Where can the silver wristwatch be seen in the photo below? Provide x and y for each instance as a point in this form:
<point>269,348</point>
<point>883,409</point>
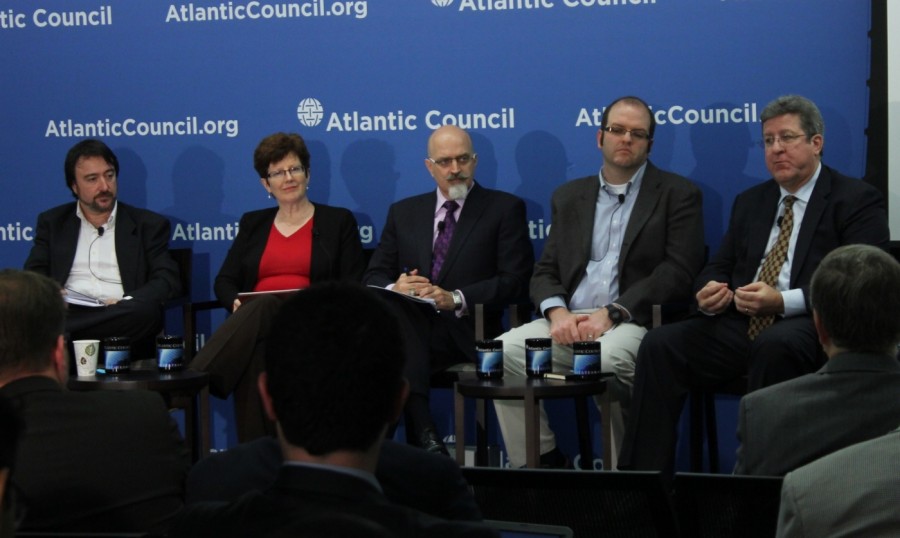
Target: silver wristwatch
<point>457,299</point>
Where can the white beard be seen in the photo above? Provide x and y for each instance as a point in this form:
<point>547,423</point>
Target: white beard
<point>458,191</point>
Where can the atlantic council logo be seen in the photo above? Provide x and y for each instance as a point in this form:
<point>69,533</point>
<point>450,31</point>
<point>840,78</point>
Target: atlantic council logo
<point>310,112</point>
<point>442,3</point>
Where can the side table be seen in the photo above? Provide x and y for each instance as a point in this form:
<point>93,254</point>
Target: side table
<point>532,391</point>
<point>183,389</point>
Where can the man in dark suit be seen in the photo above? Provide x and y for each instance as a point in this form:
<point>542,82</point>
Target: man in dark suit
<point>753,295</point>
<point>10,429</point>
<point>459,246</point>
<point>333,383</point>
<point>409,476</point>
<point>106,250</point>
<point>87,461</point>
<point>852,492</point>
<point>855,296</point>
<point>622,240</point>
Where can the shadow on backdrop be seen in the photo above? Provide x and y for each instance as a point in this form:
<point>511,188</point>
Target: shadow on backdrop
<point>543,165</point>
<point>198,179</point>
<point>838,151</point>
<point>132,177</point>
<point>319,171</point>
<point>487,170</point>
<point>369,169</point>
<point>721,152</point>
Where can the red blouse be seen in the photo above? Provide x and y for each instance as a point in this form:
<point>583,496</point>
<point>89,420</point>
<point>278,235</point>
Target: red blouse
<point>285,262</point>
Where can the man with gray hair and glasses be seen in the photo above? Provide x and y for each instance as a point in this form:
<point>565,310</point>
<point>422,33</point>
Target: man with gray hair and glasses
<point>754,316</point>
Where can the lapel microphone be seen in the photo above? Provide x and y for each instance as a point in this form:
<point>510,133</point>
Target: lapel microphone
<point>621,198</point>
<point>778,222</point>
<point>441,225</point>
<point>100,231</point>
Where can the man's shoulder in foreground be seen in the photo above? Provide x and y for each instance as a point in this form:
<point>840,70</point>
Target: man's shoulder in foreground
<point>304,497</point>
<point>824,498</point>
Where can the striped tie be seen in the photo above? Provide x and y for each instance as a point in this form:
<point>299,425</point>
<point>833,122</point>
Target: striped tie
<point>773,264</point>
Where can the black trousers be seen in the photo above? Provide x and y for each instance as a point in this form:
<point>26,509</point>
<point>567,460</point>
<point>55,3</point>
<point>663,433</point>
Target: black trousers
<point>138,320</point>
<point>432,340</point>
<point>701,353</point>
<point>234,356</point>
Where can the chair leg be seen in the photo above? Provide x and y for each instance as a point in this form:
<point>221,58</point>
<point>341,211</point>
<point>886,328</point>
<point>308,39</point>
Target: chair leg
<point>584,433</point>
<point>712,436</point>
<point>696,431</point>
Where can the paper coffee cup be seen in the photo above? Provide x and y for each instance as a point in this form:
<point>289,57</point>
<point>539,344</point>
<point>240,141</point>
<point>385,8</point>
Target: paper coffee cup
<point>86,353</point>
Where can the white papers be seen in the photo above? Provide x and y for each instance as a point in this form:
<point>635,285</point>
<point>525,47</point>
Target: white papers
<point>74,297</point>
<point>415,298</point>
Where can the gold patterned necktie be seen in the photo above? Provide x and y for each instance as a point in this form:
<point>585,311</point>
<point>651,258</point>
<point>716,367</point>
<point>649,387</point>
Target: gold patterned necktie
<point>773,264</point>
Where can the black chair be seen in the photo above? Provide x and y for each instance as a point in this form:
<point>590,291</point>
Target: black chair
<point>145,349</point>
<point>702,403</point>
<point>725,506</point>
<point>702,408</point>
<point>604,503</point>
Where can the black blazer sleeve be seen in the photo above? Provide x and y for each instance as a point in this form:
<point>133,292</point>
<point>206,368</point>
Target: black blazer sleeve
<point>142,248</point>
<point>841,211</point>
<point>336,251</point>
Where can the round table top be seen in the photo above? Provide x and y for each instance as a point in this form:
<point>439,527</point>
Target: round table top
<point>154,380</point>
<point>515,387</point>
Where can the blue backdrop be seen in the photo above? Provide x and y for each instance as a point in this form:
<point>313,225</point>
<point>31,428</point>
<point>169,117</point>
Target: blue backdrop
<point>184,91</point>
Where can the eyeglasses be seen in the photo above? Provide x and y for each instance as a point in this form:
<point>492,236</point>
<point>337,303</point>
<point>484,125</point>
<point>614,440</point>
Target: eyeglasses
<point>637,134</point>
<point>461,160</point>
<point>785,139</point>
<point>294,171</point>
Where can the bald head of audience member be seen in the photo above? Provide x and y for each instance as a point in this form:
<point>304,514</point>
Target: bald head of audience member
<point>855,295</point>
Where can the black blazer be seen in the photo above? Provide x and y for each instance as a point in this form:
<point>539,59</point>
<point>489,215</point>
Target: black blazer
<point>142,249</point>
<point>306,496</point>
<point>490,258</point>
<point>336,251</point>
<point>96,461</point>
<point>841,211</point>
<point>410,476</point>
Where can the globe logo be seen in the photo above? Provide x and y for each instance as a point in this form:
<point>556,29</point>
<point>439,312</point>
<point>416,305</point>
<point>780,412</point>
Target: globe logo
<point>310,112</point>
<point>442,3</point>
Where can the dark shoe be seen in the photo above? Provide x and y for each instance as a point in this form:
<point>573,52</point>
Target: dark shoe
<point>555,459</point>
<point>432,442</point>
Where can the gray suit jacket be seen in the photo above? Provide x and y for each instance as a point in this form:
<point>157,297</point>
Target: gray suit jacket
<point>852,492</point>
<point>661,254</point>
<point>853,398</point>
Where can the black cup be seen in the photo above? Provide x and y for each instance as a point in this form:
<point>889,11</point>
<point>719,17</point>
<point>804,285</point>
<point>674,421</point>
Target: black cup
<point>490,359</point>
<point>586,359</point>
<point>170,352</point>
<point>538,356</point>
<point>116,354</point>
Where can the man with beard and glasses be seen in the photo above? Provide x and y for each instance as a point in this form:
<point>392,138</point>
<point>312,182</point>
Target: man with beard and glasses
<point>102,249</point>
<point>459,245</point>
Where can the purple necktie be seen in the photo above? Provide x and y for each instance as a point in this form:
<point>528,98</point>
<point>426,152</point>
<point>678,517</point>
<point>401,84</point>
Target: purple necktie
<point>445,234</point>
